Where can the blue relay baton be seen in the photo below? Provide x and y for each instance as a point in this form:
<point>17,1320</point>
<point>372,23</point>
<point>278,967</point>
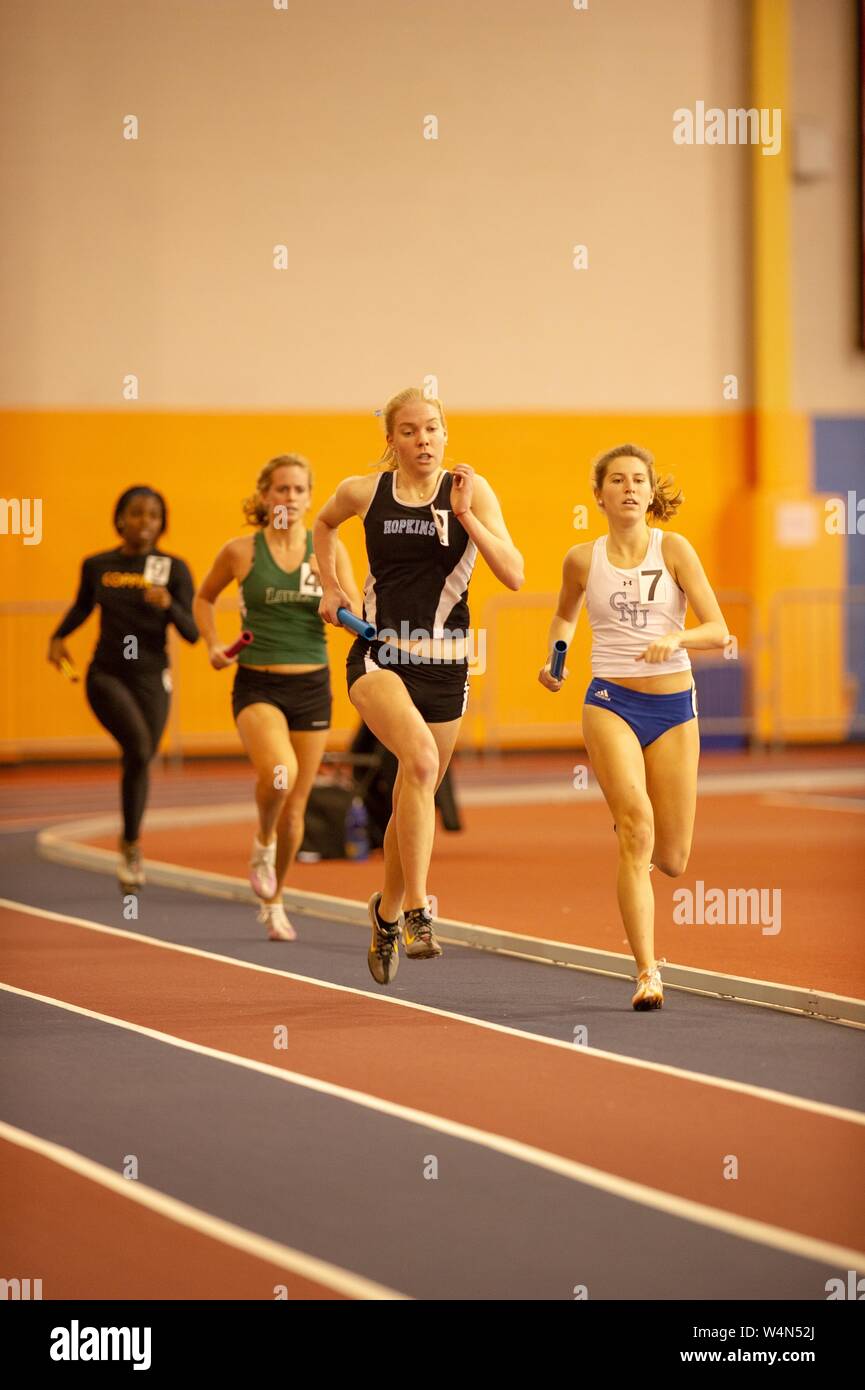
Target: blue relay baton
<point>557,660</point>
<point>347,618</point>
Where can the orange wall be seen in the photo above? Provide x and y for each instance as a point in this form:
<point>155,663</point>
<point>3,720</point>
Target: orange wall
<point>206,463</point>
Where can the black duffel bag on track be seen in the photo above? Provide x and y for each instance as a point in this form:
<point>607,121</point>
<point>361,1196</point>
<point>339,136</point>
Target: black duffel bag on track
<point>324,824</point>
<point>373,773</point>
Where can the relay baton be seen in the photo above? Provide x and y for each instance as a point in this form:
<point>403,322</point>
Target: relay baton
<point>347,618</point>
<point>557,660</point>
<point>68,669</point>
<point>243,641</point>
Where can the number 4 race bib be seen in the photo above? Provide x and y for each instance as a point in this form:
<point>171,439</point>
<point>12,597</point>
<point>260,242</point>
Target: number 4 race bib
<point>309,580</point>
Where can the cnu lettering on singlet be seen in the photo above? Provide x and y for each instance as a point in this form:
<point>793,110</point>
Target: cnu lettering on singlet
<point>420,562</point>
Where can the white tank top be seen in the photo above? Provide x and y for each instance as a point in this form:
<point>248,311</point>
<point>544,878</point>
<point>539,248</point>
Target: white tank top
<point>628,609</point>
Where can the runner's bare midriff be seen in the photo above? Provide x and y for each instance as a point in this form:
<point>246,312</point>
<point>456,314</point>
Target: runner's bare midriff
<point>433,648</point>
<point>668,684</point>
<point>283,670</point>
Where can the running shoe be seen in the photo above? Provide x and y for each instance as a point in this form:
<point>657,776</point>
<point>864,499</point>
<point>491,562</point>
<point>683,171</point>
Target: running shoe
<point>272,915</point>
<point>650,988</point>
<point>262,869</point>
<point>418,934</point>
<point>130,870</point>
<point>383,954</point>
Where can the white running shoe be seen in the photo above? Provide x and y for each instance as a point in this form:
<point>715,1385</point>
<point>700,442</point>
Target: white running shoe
<point>130,870</point>
<point>650,988</point>
<point>272,915</point>
<point>262,869</point>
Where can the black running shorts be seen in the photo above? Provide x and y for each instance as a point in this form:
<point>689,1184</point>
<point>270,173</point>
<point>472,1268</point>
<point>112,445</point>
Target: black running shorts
<point>304,698</point>
<point>439,690</point>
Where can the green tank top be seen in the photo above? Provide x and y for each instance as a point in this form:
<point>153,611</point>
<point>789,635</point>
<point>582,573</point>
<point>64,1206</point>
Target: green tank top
<point>281,611</point>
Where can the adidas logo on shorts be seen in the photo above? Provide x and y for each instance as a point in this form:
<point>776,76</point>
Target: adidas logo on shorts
<point>602,694</point>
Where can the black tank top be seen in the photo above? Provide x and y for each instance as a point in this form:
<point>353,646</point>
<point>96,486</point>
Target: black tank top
<point>420,564</point>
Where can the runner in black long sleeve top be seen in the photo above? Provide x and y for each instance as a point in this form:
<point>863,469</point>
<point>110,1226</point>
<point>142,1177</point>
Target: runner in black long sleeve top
<point>117,582</point>
<point>140,590</point>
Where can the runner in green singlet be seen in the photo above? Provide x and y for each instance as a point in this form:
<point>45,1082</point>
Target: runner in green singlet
<point>281,697</point>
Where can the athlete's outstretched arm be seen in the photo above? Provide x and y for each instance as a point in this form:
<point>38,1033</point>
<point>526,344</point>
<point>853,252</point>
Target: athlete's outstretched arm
<point>345,578</point>
<point>181,589</point>
<point>684,564</point>
<point>218,578</point>
<point>477,509</point>
<point>350,499</point>
<point>78,613</point>
<point>564,623</point>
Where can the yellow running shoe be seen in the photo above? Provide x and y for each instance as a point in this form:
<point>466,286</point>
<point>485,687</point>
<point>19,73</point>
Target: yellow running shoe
<point>420,939</point>
<point>650,988</point>
<point>383,954</point>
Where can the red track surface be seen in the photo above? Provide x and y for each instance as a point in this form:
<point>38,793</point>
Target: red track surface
<point>537,870</point>
<point>565,1100</point>
<point>549,871</point>
<point>88,1242</point>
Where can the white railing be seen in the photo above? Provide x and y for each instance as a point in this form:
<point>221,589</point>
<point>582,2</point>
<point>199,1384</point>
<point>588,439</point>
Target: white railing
<point>817,642</point>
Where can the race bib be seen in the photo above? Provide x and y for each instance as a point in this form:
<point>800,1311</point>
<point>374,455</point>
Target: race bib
<point>653,586</point>
<point>309,580</point>
<point>157,569</point>
<point>440,517</point>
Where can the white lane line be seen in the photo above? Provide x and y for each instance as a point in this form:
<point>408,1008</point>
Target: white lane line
<point>817,803</point>
<point>807,1002</point>
<point>759,1232</point>
<point>814,1107</point>
<point>283,1256</point>
<point>527,793</point>
<point>15,827</point>
<point>708,784</point>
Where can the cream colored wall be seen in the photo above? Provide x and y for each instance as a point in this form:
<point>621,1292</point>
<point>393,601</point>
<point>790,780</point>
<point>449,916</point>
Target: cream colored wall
<point>406,256</point>
<point>828,364</point>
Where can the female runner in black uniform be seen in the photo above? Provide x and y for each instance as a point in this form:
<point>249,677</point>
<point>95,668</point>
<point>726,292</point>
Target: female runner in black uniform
<point>424,526</point>
<point>140,590</point>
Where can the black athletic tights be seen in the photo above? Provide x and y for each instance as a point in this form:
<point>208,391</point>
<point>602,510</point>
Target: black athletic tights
<point>133,710</point>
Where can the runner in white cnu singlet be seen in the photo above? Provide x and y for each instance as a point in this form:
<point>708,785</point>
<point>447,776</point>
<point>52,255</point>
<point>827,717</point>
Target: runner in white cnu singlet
<point>639,718</point>
<point>423,525</point>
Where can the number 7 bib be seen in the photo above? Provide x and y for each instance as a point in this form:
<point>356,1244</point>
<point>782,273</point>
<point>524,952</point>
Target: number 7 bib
<point>653,586</point>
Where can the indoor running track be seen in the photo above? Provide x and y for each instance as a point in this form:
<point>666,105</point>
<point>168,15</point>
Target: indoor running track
<point>299,1131</point>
